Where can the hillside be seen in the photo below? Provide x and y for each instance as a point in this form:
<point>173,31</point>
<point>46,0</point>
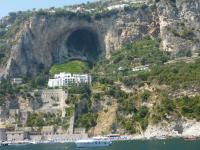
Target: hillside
<point>35,40</point>
<point>143,58</point>
<point>166,93</point>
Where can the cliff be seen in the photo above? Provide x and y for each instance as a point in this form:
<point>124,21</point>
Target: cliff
<point>140,86</point>
<point>45,37</point>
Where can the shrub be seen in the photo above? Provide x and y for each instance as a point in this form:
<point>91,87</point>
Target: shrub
<point>87,120</point>
<point>145,95</point>
<point>184,53</point>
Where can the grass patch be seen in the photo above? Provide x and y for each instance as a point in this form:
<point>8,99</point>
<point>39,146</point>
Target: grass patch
<point>74,66</point>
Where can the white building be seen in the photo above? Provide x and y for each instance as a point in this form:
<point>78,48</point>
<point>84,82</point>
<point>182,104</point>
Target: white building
<point>118,7</point>
<point>64,79</point>
<point>17,80</point>
<point>16,136</point>
<point>140,68</point>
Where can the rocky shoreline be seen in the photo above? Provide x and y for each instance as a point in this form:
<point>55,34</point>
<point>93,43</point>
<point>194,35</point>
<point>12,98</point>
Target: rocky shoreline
<point>187,129</point>
<point>183,129</point>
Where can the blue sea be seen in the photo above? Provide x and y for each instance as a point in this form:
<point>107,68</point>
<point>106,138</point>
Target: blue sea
<point>173,144</point>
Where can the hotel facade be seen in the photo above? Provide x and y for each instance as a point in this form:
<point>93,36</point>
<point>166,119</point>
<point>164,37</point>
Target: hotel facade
<point>65,79</point>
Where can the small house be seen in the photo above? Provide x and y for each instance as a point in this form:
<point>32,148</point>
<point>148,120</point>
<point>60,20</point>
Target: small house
<point>16,135</point>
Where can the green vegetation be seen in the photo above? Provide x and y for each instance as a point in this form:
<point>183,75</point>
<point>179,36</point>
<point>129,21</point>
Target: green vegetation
<point>106,73</point>
<point>69,111</point>
<point>184,33</point>
<point>184,53</point>
<point>14,21</point>
<point>6,90</point>
<point>146,49</point>
<point>185,106</point>
<point>94,10</point>
<point>12,91</point>
<point>78,92</point>
<point>138,116</point>
<point>189,107</point>
<point>145,95</point>
<point>4,52</point>
<point>163,110</point>
<point>10,27</point>
<point>80,96</point>
<point>87,120</point>
<point>138,120</point>
<point>176,75</point>
<point>35,120</point>
<point>141,52</point>
<point>132,115</point>
<point>38,81</point>
<point>81,89</point>
<point>75,66</point>
<point>41,119</point>
<point>104,13</point>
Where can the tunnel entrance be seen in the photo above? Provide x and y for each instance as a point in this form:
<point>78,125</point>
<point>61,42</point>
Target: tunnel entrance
<point>84,43</point>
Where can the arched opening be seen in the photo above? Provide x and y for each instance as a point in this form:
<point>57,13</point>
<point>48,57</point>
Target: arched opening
<point>84,43</point>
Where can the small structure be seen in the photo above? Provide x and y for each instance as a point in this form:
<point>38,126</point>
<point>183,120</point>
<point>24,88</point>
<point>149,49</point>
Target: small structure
<point>48,130</point>
<point>13,115</point>
<point>120,69</point>
<point>79,130</point>
<point>2,133</point>
<point>80,10</point>
<point>26,129</point>
<point>140,68</point>
<point>118,7</point>
<point>65,79</point>
<point>16,135</point>
<point>13,112</point>
<point>23,116</point>
<point>53,100</point>
<point>35,136</point>
<point>16,80</point>
<point>23,104</point>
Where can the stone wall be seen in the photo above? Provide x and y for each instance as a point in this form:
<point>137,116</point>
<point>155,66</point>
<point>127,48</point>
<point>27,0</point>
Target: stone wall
<point>53,101</point>
<point>2,134</point>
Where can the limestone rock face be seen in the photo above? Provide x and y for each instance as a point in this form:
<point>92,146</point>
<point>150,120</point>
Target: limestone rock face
<point>45,40</point>
<point>179,25</point>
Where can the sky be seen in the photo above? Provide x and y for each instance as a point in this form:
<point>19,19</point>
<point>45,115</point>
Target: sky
<point>7,6</point>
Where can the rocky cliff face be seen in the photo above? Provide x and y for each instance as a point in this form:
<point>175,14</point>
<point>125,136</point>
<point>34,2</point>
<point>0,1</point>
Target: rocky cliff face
<point>179,25</point>
<point>46,39</point>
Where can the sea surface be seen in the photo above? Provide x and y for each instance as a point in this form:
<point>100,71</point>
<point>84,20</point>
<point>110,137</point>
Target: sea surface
<point>175,144</point>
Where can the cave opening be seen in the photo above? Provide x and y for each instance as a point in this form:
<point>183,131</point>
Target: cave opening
<point>84,43</point>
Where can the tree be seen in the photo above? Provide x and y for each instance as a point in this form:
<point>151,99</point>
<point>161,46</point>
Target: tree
<point>145,96</point>
<point>143,111</point>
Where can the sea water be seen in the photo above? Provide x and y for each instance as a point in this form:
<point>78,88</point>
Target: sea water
<point>173,144</point>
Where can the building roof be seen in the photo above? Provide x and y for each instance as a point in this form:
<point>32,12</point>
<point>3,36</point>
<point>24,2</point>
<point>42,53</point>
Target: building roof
<point>2,126</point>
<point>47,128</point>
<point>14,132</point>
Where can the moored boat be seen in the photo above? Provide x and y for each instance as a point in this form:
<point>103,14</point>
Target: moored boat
<point>3,144</point>
<point>191,138</point>
<point>93,143</point>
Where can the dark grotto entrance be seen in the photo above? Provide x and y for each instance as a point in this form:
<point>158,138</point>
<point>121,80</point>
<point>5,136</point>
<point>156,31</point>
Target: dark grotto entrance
<point>84,43</point>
